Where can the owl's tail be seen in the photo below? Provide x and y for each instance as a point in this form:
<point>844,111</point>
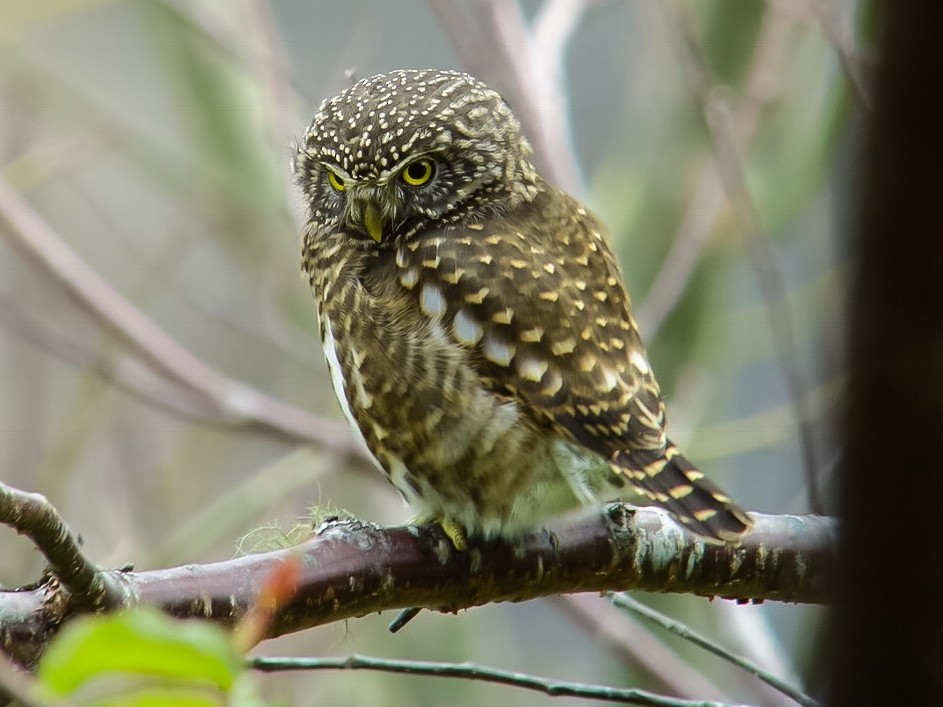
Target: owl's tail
<point>674,483</point>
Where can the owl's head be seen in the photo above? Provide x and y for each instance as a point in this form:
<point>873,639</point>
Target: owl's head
<point>410,149</point>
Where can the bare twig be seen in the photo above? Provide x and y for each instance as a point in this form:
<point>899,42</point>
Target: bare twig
<point>759,247</point>
<point>527,63</point>
<point>472,671</point>
<point>679,629</point>
<point>127,373</point>
<point>351,569</point>
<point>234,402</point>
<point>844,45</point>
<point>271,65</point>
<point>636,645</point>
<point>88,587</point>
<point>753,635</point>
<point>707,203</point>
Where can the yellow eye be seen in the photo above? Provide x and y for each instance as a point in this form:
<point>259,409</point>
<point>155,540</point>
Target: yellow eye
<point>336,182</point>
<point>418,173</point>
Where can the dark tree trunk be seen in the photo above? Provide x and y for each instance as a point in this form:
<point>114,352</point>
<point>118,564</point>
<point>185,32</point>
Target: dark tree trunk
<point>888,637</point>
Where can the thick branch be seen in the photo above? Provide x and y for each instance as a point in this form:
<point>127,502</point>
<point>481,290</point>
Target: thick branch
<point>352,569</point>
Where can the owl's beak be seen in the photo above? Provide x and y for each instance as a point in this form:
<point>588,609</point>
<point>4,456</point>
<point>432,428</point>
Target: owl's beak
<point>373,222</point>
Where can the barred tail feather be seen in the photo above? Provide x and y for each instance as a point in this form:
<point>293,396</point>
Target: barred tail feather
<point>674,483</point>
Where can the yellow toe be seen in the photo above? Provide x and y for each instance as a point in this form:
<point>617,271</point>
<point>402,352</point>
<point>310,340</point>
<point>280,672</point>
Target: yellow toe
<point>453,530</point>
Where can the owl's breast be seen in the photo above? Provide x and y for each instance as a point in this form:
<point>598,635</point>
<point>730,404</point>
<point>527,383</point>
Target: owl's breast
<point>453,448</point>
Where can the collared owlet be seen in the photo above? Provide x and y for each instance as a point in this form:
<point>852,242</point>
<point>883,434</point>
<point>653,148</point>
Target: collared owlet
<point>474,318</point>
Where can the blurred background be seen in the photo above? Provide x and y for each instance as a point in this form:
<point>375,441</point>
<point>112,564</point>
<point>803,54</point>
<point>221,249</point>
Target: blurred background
<point>160,371</point>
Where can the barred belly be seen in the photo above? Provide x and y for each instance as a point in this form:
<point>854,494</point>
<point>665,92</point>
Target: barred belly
<point>454,450</point>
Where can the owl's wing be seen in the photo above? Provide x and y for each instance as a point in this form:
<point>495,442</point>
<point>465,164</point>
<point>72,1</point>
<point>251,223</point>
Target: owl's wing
<point>538,299</point>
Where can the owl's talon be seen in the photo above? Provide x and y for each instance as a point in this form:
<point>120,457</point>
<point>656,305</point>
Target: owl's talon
<point>452,530</point>
<point>455,533</point>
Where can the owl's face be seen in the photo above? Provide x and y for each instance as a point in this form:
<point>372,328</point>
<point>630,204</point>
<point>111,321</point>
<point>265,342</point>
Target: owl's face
<point>411,149</point>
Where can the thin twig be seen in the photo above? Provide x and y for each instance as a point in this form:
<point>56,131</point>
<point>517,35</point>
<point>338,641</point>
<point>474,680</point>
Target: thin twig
<point>679,629</point>
<point>473,671</point>
<point>759,247</point>
<point>636,645</point>
<point>844,45</point>
<point>496,42</point>
<point>707,203</point>
<point>235,402</point>
<point>126,373</point>
<point>32,515</point>
<point>754,637</point>
<point>271,68</point>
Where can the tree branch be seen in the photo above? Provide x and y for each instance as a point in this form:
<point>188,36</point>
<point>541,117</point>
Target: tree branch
<point>626,602</point>
<point>351,569</point>
<point>86,587</point>
<point>233,402</point>
<point>484,673</point>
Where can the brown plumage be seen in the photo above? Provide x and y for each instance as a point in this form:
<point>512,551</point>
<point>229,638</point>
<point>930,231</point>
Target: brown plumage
<point>474,318</point>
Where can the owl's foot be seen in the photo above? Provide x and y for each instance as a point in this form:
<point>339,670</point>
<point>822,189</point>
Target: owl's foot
<point>456,534</point>
<point>459,539</point>
<point>453,530</point>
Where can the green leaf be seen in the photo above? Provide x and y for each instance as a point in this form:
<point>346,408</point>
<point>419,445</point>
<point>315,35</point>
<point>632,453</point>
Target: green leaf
<point>140,643</point>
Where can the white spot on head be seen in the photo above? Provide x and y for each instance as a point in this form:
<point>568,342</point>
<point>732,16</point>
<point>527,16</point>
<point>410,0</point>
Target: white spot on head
<point>466,330</point>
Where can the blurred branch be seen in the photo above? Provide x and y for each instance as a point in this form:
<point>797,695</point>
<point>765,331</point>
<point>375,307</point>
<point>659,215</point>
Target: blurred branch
<point>844,45</point>
<point>472,671</point>
<point>231,402</point>
<point>86,586</point>
<point>759,247</point>
<point>127,373</point>
<point>679,629</point>
<point>749,628</point>
<point>764,428</point>
<point>635,645</point>
<point>527,62</point>
<point>707,203</point>
<point>352,569</point>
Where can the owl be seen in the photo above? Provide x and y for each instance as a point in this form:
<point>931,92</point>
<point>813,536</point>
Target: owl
<point>474,318</point>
